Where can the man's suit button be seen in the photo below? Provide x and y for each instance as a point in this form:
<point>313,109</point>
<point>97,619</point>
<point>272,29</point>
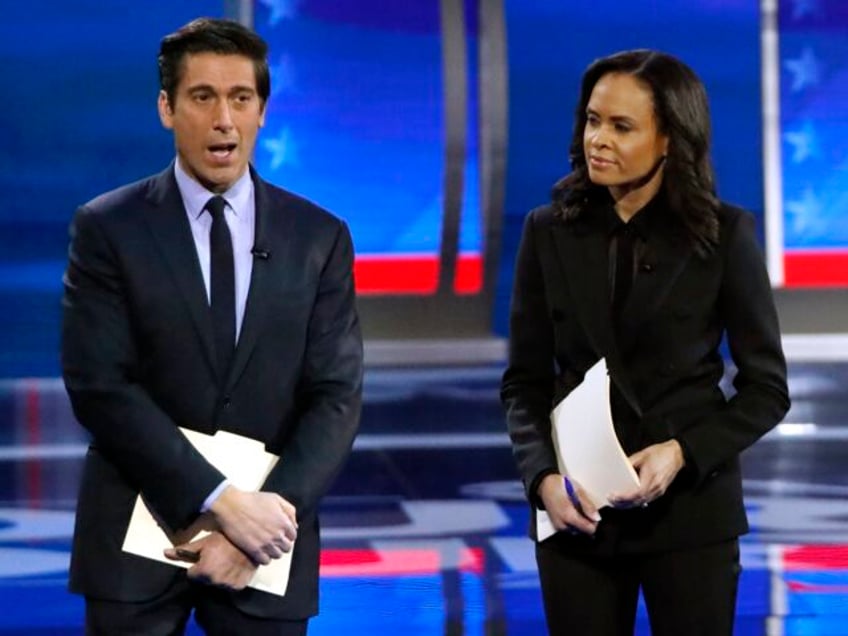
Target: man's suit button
<point>226,401</point>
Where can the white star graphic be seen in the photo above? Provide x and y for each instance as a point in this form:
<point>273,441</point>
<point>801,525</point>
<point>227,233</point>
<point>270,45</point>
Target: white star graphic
<point>282,76</point>
<point>804,142</point>
<point>280,9</point>
<point>805,211</point>
<point>801,8</point>
<point>805,70</point>
<point>282,149</point>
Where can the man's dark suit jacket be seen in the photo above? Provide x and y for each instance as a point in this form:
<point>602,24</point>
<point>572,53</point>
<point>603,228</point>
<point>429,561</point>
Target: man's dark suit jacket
<point>664,361</point>
<point>138,361</point>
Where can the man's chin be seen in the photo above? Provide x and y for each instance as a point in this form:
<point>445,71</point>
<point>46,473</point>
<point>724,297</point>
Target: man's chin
<point>220,180</point>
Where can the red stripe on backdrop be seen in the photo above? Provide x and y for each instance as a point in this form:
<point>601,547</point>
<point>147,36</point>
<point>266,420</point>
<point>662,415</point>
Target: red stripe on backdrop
<point>820,268</point>
<point>356,562</point>
<point>414,274</point>
<point>397,274</point>
<point>364,562</point>
<point>815,558</point>
<point>468,278</point>
<point>32,423</point>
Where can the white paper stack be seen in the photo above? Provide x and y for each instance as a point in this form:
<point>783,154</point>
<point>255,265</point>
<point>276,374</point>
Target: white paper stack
<point>587,448</point>
<point>246,464</point>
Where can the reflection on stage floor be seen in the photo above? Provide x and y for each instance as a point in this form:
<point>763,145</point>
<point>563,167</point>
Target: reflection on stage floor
<point>424,531</point>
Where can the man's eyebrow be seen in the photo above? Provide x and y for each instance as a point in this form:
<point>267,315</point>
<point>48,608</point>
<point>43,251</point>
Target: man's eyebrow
<point>240,88</point>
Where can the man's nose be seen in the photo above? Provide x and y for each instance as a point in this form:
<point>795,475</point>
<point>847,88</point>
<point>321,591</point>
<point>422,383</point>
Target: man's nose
<point>223,115</point>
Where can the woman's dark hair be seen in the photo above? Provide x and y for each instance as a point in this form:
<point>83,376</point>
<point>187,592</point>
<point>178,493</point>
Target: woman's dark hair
<point>682,114</point>
<point>208,35</point>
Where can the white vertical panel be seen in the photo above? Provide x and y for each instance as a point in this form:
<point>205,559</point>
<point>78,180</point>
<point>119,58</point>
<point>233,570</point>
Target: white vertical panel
<point>772,159</point>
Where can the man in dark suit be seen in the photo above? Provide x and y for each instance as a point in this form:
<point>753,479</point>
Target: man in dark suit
<point>205,298</point>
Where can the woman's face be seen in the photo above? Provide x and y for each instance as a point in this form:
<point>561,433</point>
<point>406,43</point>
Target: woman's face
<point>621,140</point>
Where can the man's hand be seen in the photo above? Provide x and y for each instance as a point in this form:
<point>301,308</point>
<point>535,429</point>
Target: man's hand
<point>657,466</point>
<point>564,514</point>
<point>263,525</point>
<point>217,562</point>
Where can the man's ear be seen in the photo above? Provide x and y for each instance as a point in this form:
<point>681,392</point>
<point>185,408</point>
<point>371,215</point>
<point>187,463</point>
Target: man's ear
<point>166,113</point>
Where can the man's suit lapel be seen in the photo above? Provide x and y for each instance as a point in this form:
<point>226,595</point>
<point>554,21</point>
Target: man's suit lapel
<point>271,239</point>
<point>172,234</point>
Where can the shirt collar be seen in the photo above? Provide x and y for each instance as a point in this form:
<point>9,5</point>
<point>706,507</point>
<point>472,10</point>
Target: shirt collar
<point>640,223</point>
<point>195,196</point>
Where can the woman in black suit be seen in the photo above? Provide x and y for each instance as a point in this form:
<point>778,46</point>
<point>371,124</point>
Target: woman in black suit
<point>636,260</point>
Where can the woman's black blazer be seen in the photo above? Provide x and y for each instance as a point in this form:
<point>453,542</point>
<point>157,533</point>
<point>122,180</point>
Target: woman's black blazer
<point>665,361</point>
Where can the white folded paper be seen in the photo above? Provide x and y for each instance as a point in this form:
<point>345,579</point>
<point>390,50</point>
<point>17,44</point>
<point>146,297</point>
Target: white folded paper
<point>587,448</point>
<point>246,464</point>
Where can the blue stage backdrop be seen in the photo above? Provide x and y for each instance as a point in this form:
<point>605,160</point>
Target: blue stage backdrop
<point>812,69</point>
<point>79,118</point>
<point>550,44</point>
<point>357,123</point>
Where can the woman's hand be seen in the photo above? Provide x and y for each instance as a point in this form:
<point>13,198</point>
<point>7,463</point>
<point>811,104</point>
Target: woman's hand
<point>657,466</point>
<point>573,513</point>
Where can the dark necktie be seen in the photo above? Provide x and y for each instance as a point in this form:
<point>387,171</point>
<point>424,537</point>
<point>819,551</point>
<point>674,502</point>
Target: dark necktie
<point>223,285</point>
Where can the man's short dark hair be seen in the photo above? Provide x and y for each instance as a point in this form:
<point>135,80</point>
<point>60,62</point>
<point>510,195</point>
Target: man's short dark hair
<point>210,35</point>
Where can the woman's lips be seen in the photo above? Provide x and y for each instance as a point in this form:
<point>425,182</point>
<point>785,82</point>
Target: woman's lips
<point>600,162</point>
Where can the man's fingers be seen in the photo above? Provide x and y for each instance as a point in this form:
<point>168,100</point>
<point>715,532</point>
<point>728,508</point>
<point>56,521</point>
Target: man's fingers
<point>289,532</point>
<point>285,541</point>
<point>290,510</point>
<point>188,552</point>
<point>261,557</point>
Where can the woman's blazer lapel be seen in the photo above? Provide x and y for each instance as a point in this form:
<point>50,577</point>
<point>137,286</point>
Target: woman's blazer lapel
<point>582,253</point>
<point>665,257</point>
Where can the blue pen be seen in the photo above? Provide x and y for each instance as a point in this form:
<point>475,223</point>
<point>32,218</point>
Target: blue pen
<point>572,494</point>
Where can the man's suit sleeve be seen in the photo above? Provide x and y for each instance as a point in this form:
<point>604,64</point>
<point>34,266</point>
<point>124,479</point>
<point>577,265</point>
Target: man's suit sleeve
<point>330,387</point>
<point>101,368</point>
<point>753,335</point>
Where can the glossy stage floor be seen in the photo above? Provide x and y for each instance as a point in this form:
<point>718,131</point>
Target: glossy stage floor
<point>424,530</point>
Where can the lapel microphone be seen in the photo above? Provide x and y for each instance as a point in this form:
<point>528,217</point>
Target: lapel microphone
<point>262,255</point>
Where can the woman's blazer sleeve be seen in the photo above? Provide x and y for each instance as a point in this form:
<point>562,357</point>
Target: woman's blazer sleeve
<point>746,307</point>
<point>528,382</point>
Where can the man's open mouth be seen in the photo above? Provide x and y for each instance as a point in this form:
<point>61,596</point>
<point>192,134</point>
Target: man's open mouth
<point>222,150</point>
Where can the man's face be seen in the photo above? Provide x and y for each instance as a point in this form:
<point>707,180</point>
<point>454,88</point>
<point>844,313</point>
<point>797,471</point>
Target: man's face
<point>215,117</point>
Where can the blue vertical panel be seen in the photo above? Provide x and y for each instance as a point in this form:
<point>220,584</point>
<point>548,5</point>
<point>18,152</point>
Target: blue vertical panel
<point>79,118</point>
<point>814,125</point>
<point>356,118</point>
<point>550,43</point>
